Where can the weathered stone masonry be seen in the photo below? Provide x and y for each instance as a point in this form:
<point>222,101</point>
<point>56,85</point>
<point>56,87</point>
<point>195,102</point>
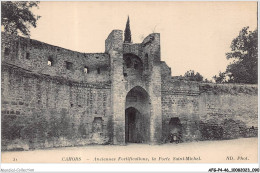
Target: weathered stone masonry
<point>30,86</point>
<point>55,97</point>
<point>210,111</point>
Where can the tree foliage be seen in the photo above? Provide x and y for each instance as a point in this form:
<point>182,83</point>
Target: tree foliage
<point>220,78</point>
<point>190,75</point>
<point>18,17</point>
<point>244,54</point>
<point>128,38</point>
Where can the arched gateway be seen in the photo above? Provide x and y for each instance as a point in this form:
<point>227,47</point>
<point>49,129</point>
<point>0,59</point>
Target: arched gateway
<point>137,116</point>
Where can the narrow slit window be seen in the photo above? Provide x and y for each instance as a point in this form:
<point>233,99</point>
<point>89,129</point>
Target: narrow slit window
<point>98,70</point>
<point>69,65</point>
<point>27,55</point>
<point>50,61</point>
<point>7,51</point>
<point>86,70</point>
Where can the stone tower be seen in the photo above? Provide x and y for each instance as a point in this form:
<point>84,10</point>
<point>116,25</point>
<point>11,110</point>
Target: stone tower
<point>135,88</point>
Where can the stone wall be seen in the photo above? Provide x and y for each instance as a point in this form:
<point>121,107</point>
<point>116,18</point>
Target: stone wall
<point>236,101</point>
<point>54,97</point>
<point>51,60</point>
<point>47,102</point>
<point>210,111</point>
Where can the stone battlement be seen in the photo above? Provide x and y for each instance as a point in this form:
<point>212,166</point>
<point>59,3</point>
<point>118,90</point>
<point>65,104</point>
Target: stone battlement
<point>54,97</point>
<point>52,60</point>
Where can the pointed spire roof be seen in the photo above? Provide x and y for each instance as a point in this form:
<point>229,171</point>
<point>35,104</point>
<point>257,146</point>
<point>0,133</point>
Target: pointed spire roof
<point>128,38</point>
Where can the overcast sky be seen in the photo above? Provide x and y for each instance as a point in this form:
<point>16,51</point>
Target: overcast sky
<point>194,35</point>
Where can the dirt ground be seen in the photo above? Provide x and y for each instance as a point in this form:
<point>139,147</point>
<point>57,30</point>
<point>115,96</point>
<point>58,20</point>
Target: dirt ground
<point>243,150</point>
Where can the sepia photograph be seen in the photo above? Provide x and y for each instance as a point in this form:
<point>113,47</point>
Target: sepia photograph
<point>129,82</point>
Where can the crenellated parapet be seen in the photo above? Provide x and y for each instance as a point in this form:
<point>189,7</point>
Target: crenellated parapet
<point>47,59</point>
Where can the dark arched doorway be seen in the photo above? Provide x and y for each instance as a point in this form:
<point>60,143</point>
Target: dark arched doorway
<point>137,116</point>
<point>133,133</point>
<point>175,130</point>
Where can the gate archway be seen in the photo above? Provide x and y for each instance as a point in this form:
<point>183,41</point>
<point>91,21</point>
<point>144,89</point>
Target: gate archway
<point>137,116</point>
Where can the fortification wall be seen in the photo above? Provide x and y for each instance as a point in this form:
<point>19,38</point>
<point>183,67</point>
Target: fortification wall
<point>236,101</point>
<point>54,97</point>
<point>51,60</point>
<point>40,111</point>
<point>210,111</point>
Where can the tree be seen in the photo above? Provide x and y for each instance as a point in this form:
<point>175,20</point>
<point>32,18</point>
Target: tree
<point>190,75</point>
<point>245,57</point>
<point>221,78</point>
<point>128,38</point>
<point>208,81</point>
<point>18,17</point>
